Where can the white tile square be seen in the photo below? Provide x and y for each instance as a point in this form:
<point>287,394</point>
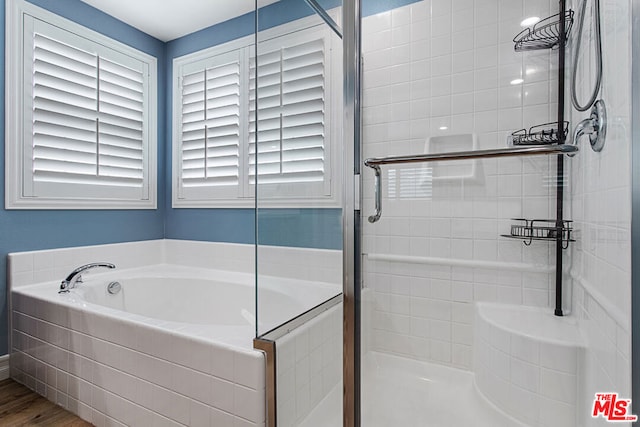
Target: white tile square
<point>559,357</point>
<point>558,386</point>
<point>249,404</point>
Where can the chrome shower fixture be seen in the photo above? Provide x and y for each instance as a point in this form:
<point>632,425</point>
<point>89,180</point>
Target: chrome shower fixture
<point>595,127</point>
<point>598,57</point>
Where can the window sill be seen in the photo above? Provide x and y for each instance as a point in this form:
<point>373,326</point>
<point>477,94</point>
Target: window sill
<point>78,204</point>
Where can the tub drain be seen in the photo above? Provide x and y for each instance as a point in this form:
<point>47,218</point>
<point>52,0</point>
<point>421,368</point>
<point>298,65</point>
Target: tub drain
<point>114,287</point>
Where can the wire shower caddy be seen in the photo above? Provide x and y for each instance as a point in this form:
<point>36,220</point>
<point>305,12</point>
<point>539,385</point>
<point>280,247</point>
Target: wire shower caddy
<point>545,34</point>
<point>529,230</point>
<point>540,134</point>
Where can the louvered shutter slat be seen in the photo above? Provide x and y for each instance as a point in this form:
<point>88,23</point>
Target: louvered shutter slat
<point>193,138</point>
<point>52,106</point>
<point>60,122</point>
<point>47,47</point>
<point>192,121</point>
<point>128,135</point>
<point>125,148</point>
<point>64,143</point>
<point>215,101</point>
<point>193,156</point>
<point>135,77</point>
<point>128,165</point>
<point>61,155</point>
<point>42,129</point>
<point>126,93</point>
<point>64,98</point>
<point>118,105</point>
<point>62,85</point>
<point>195,98</point>
<point>124,122</point>
<point>120,81</point>
<point>51,164</point>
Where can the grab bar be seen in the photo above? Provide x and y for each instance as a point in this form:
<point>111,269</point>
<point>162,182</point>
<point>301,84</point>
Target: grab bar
<point>376,162</point>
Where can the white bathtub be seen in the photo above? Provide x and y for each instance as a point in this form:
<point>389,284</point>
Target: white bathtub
<point>173,347</point>
<point>221,303</point>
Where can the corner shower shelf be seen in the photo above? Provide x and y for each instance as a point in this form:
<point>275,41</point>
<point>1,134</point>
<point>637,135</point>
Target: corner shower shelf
<point>539,135</point>
<point>529,230</point>
<point>545,34</point>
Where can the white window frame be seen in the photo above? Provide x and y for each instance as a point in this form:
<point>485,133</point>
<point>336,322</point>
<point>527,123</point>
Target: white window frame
<point>268,195</point>
<point>17,106</point>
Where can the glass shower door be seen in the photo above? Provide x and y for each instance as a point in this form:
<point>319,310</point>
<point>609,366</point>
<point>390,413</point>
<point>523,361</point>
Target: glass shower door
<point>441,76</point>
<point>296,174</point>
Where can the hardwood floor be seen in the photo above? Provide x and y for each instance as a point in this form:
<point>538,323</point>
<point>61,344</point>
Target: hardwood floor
<point>20,406</point>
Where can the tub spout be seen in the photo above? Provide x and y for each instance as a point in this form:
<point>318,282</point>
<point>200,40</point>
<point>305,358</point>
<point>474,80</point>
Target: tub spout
<point>76,275</point>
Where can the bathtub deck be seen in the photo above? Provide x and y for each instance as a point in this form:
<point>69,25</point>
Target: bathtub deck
<point>20,406</point>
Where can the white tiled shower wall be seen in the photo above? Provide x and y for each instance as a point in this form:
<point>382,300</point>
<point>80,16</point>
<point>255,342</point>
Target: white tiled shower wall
<point>600,201</point>
<point>439,64</point>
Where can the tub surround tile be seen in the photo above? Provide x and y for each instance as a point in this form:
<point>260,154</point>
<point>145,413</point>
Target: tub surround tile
<point>100,379</point>
<point>95,364</point>
<point>246,369</point>
<point>309,361</point>
<point>297,263</point>
<point>114,371</point>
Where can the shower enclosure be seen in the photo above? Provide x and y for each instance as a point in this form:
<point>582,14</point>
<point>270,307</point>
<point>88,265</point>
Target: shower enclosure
<point>482,251</point>
<point>296,171</point>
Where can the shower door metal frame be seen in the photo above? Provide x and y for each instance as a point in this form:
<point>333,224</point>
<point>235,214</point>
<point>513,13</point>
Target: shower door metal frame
<point>351,218</point>
<point>635,204</point>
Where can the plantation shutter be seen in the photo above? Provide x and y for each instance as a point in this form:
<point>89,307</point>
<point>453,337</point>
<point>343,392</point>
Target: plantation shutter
<point>215,140</point>
<point>292,137</point>
<point>211,132</point>
<point>88,136</point>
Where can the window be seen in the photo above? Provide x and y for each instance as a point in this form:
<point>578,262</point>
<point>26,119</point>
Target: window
<point>215,129</point>
<point>83,131</point>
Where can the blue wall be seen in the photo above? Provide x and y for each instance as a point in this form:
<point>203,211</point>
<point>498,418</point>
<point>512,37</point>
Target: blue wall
<point>23,230</point>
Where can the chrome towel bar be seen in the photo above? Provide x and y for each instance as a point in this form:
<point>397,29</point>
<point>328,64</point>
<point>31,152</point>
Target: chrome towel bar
<point>376,162</point>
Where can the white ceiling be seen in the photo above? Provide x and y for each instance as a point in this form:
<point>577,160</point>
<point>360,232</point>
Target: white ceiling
<point>171,19</point>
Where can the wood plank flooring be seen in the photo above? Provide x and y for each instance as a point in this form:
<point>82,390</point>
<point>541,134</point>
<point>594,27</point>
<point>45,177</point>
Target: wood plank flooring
<point>20,406</point>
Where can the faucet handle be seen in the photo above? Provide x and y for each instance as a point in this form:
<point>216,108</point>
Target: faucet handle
<point>595,127</point>
<point>64,287</point>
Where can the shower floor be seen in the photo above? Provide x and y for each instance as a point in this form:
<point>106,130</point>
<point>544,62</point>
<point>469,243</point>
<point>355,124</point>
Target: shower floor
<point>402,392</point>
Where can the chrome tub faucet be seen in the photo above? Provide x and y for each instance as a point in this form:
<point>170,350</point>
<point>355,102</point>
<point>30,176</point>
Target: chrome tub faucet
<point>76,275</point>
